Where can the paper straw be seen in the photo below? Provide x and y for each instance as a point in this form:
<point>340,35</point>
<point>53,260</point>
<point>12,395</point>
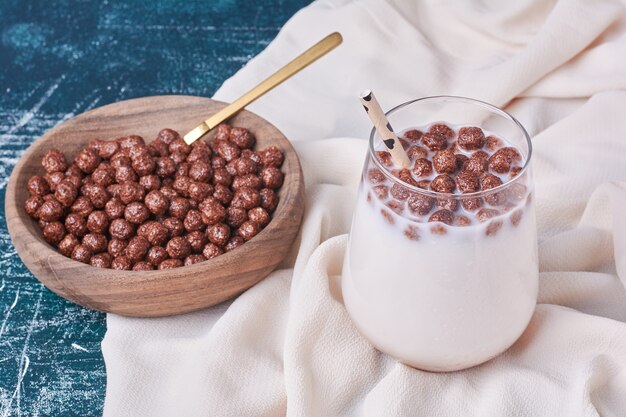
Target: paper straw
<point>384,129</point>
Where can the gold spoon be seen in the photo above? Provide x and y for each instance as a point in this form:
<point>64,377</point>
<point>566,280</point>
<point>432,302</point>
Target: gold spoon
<point>309,56</point>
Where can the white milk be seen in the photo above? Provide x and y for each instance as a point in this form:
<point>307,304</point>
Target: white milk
<point>443,302</point>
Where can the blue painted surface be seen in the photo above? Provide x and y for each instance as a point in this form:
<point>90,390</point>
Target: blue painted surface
<point>58,59</point>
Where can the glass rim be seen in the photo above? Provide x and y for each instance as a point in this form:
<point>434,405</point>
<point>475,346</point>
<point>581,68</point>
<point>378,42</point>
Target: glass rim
<point>435,194</point>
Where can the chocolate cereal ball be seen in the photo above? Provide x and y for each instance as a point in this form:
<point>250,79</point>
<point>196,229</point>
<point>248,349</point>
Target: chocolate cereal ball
<point>236,216</point>
<point>443,216</point>
<point>178,248</point>
<point>248,230</point>
<point>241,137</point>
<point>156,255</point>
<point>116,247</point>
<point>156,202</point>
<point>125,174</point>
<point>98,222</point>
<point>227,150</point>
<point>96,242</point>
<point>53,179</point>
<point>247,181</point>
<point>197,240</point>
<point>218,234</point>
<point>76,225</point>
<point>170,264</point>
<point>193,221</point>
<point>120,159</point>
<point>221,176</point>
<point>143,165</point>
<point>128,142</point>
<point>32,204</point>
<point>259,216</point>
<point>50,210</point>
<point>271,157</point>
<point>434,141</point>
<point>156,233</point>
<point>422,168</point>
<point>142,266</point>
<point>67,244</point>
<point>467,182</point>
<point>223,194</point>
<point>121,263</point>
<point>53,232</point>
<point>167,136</point>
<point>181,185</point>
<point>234,243</point>
<point>179,207</point>
<point>54,161</point>
<point>245,166</point>
<point>150,182</point>
<point>211,250</point>
<point>136,213</point>
<point>82,253</point>
<point>444,162</point>
<point>246,198</point>
<point>37,186</point>
<point>271,177</point>
<point>121,229</point>
<point>471,138</point>
<point>174,225</point>
<point>165,167</point>
<point>87,161</point>
<point>114,208</point>
<point>131,191</point>
<point>198,191</point>
<point>137,248</point>
<point>269,199</point>
<point>200,171</point>
<point>212,211</point>
<point>97,194</point>
<point>101,260</point>
<point>194,259</point>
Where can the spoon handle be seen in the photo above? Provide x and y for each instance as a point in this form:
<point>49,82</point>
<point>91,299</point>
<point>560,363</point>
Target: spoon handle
<point>309,56</point>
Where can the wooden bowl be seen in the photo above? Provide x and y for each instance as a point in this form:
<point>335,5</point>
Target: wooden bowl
<point>165,292</point>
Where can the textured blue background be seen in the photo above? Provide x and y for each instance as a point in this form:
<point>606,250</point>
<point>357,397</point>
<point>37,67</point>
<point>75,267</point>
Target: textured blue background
<point>58,59</point>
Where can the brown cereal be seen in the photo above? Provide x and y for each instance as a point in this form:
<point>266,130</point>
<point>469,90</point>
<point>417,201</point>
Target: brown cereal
<point>38,186</point>
<point>137,248</point>
<point>234,243</point>
<point>444,162</point>
<point>116,247</point>
<point>442,129</point>
<point>82,253</point>
<point>178,248</point>
<point>76,225</point>
<point>67,244</point>
<point>32,204</point>
<point>122,263</point>
<point>434,141</point>
<point>114,208</point>
<point>54,161</point>
<point>150,182</point>
<point>174,225</point>
<point>471,138</point>
<point>193,221</point>
<point>170,264</point>
<point>97,222</point>
<point>136,213</point>
<point>211,250</point>
<point>443,184</point>
<point>101,260</point>
<point>271,157</point>
<point>50,210</point>
<point>96,242</point>
<point>156,202</point>
<point>53,232</point>
<point>142,266</point>
<point>156,255</point>
<point>121,229</point>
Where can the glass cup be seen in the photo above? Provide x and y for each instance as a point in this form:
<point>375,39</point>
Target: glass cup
<point>438,296</point>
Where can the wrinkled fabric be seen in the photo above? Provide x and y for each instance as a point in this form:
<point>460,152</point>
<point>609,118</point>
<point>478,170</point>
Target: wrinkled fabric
<point>288,347</point>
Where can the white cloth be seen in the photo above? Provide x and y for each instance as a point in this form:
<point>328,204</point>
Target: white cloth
<point>287,346</point>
